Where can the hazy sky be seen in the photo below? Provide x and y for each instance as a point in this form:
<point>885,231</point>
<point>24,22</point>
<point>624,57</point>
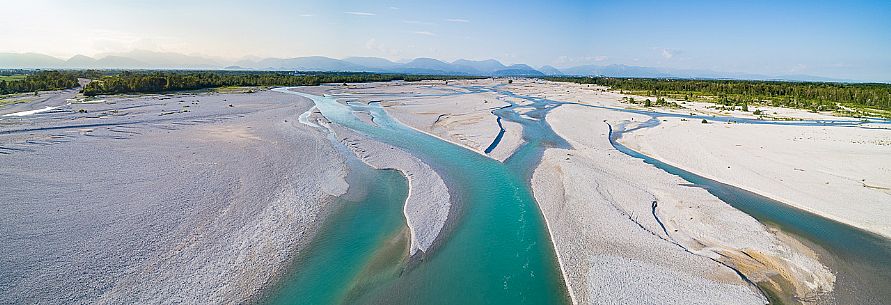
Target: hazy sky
<point>845,39</point>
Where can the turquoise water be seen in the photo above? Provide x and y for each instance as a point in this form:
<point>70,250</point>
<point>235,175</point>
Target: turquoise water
<point>359,239</point>
<point>497,252</point>
<point>860,260</point>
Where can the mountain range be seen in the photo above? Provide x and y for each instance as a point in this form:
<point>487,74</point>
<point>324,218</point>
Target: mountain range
<point>163,60</point>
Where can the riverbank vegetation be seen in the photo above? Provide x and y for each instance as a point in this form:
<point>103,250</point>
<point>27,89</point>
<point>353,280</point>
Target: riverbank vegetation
<point>857,100</point>
<point>147,81</point>
<point>33,81</point>
<point>10,78</point>
<point>163,81</point>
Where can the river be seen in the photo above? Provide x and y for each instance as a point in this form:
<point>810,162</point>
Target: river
<point>860,260</point>
<point>498,250</point>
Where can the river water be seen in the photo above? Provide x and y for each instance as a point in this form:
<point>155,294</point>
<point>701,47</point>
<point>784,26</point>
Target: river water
<point>498,250</point>
<point>860,260</point>
<point>362,240</point>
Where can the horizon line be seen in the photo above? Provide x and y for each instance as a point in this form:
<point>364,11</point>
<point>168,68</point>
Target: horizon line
<point>218,65</point>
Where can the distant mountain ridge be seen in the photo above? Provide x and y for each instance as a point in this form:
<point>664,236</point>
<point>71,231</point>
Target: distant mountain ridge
<point>485,66</point>
<point>311,63</point>
<point>164,60</point>
<point>550,71</point>
<point>518,70</point>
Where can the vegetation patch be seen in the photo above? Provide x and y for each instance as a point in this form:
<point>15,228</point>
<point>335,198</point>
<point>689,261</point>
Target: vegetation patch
<point>42,81</point>
<point>237,89</point>
<point>164,81</point>
<point>855,100</point>
<point>9,78</point>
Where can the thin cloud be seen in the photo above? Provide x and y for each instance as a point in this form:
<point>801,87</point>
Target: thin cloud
<point>394,8</point>
<point>567,60</point>
<point>667,53</point>
<point>307,15</point>
<point>424,33</point>
<point>417,22</point>
<point>360,13</point>
<point>798,68</point>
<point>457,20</point>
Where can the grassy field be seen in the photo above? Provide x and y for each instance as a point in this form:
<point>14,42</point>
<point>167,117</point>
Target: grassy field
<point>12,77</point>
<point>237,89</point>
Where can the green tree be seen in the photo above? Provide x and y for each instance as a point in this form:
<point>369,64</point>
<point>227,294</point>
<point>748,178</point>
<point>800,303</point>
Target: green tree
<point>805,95</point>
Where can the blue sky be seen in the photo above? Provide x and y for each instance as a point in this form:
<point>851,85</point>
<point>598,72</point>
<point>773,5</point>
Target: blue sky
<point>843,39</point>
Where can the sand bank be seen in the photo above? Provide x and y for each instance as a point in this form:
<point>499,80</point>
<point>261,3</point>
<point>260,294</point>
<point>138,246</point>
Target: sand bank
<point>626,231</point>
<point>839,173</point>
<point>161,199</point>
<point>842,173</point>
<point>449,112</point>
<point>427,206</point>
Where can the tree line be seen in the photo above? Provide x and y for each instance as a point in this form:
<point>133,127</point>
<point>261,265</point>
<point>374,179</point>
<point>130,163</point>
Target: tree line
<point>44,80</point>
<point>144,81</point>
<point>816,96</point>
<point>163,81</point>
